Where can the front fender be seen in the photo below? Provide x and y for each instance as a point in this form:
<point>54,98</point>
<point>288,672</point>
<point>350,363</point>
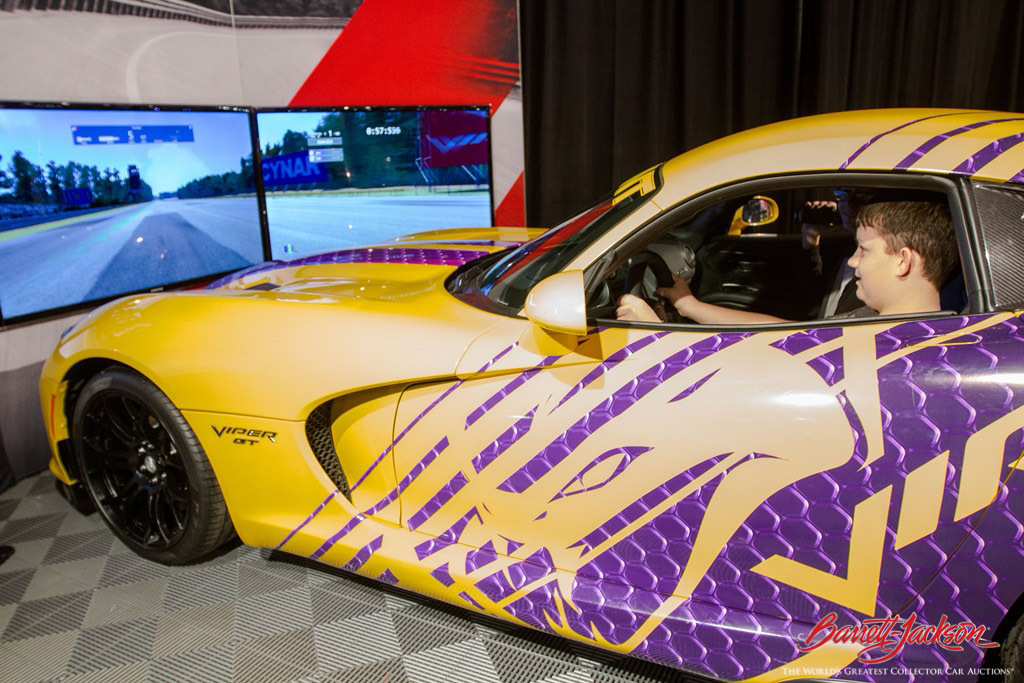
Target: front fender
<point>275,357</point>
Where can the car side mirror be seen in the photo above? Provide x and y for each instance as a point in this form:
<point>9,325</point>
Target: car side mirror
<point>558,303</point>
<point>759,211</point>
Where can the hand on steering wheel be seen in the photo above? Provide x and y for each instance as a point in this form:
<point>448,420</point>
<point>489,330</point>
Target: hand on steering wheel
<point>680,289</point>
<point>647,307</point>
<point>635,309</point>
<point>637,267</point>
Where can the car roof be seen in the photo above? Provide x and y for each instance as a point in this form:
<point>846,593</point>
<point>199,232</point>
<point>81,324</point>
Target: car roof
<point>974,143</point>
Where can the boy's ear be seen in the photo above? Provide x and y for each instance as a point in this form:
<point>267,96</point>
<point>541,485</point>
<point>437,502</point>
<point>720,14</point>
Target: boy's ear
<point>907,260</point>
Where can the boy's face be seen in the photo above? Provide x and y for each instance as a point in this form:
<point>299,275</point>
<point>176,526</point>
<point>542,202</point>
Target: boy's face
<point>875,268</point>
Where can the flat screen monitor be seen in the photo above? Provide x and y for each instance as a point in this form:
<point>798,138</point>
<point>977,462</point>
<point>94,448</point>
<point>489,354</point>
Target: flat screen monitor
<point>98,201</point>
<point>350,176</point>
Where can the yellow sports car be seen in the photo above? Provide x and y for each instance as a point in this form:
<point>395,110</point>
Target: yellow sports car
<point>818,483</point>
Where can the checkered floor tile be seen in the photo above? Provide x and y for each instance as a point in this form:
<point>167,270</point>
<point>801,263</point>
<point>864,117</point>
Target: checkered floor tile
<point>76,605</point>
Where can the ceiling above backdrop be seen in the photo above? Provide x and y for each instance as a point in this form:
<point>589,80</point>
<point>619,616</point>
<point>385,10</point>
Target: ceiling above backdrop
<point>274,53</point>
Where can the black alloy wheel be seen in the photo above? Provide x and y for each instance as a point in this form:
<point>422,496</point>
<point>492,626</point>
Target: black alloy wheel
<point>146,471</point>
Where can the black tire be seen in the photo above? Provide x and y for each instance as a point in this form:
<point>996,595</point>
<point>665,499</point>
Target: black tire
<point>145,470</point>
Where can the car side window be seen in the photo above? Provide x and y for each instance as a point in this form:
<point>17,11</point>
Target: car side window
<point>1001,209</point>
<point>782,267</point>
<point>780,253</point>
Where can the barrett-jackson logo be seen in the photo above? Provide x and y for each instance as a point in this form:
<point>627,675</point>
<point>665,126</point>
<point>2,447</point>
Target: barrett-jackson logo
<point>889,635</point>
<point>244,435</point>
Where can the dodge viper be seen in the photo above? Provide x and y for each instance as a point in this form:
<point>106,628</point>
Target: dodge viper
<point>460,413</point>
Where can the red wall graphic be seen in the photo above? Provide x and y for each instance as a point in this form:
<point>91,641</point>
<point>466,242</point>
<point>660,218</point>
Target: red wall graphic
<point>409,52</point>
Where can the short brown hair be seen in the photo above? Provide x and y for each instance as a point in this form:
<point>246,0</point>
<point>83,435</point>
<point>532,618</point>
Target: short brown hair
<point>924,227</point>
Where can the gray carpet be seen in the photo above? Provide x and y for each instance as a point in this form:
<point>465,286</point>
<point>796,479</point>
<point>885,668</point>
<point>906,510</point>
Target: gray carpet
<point>77,605</point>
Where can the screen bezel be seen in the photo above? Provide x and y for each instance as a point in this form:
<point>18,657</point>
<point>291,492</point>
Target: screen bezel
<point>375,108</point>
<point>6,321</point>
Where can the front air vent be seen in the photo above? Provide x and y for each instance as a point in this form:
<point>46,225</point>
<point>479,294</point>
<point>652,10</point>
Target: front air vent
<point>318,432</point>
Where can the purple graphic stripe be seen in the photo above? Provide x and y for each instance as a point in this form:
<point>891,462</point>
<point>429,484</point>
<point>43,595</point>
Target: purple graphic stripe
<point>646,503</point>
<point>878,137</point>
<point>617,357</point>
<point>364,555</point>
<point>801,341</point>
<point>913,157</point>
<point>387,500</point>
<point>502,443</point>
<point>989,153</point>
<point>628,454</point>
<point>474,243</point>
<point>829,366</point>
<point>699,637</point>
<point>504,392</point>
<point>534,567</point>
<point>531,609</point>
<point>443,575</point>
<point>329,543</point>
<point>908,334</point>
<point>481,557</point>
<point>388,578</point>
<point>422,465</point>
<point>404,255</point>
<point>616,404</point>
<point>438,500</point>
<point>697,385</point>
<point>465,596</point>
<point>309,519</point>
<point>419,417</point>
<point>1019,178</point>
<point>498,586</point>
<point>447,538</point>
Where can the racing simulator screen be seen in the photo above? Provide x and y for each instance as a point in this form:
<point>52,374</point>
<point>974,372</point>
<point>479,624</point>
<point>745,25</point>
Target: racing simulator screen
<point>96,203</point>
<point>355,176</point>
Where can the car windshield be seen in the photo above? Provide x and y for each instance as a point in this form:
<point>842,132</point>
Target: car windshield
<point>507,280</point>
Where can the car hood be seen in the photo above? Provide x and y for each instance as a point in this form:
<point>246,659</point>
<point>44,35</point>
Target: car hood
<point>281,338</point>
<point>446,248</point>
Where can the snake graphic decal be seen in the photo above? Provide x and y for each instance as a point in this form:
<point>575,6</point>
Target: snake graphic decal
<point>831,470</point>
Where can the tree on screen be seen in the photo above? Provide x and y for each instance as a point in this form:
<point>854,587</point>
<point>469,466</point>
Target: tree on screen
<point>5,182</point>
<point>53,178</point>
<point>293,142</point>
<point>229,183</point>
<point>247,174</point>
<point>27,179</point>
<point>37,186</point>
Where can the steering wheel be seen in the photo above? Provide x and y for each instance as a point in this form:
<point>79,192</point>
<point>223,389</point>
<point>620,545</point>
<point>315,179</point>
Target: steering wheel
<point>629,279</point>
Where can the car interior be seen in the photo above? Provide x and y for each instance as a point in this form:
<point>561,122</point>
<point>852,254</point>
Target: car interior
<point>783,253</point>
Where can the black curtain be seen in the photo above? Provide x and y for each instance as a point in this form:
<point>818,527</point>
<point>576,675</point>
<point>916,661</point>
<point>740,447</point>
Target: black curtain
<point>612,87</point>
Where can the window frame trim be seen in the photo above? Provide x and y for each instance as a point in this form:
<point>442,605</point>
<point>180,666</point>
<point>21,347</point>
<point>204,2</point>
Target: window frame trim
<point>958,197</point>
